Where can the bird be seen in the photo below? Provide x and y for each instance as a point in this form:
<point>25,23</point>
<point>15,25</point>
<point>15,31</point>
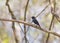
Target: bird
<point>34,20</point>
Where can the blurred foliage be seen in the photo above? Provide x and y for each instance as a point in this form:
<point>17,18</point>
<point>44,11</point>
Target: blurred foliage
<point>34,8</point>
<point>4,36</point>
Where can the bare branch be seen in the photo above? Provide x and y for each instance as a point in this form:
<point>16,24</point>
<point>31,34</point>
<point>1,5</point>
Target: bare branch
<point>25,20</point>
<point>50,28</point>
<point>53,15</point>
<point>13,17</point>
<point>33,25</point>
<point>43,10</point>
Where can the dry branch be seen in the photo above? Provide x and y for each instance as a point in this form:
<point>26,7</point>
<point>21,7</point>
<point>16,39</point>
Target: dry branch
<point>43,10</point>
<point>13,17</point>
<point>33,25</point>
<point>25,20</point>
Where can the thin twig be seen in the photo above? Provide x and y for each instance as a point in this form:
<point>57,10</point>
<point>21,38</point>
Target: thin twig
<point>13,24</point>
<point>50,29</point>
<point>25,20</point>
<point>58,19</point>
<point>33,25</point>
<point>43,10</point>
<point>12,15</point>
<point>53,15</point>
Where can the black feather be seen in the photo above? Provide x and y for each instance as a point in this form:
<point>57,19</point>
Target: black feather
<point>35,20</point>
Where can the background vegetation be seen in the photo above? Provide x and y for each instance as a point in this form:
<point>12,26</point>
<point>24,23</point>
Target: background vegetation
<point>16,25</point>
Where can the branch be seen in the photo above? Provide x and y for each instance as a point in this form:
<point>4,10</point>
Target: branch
<point>58,19</point>
<point>25,20</point>
<point>9,9</point>
<point>53,15</point>
<point>33,25</point>
<point>50,28</point>
<point>13,17</point>
<point>43,10</point>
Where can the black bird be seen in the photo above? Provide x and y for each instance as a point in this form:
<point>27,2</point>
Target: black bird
<point>35,20</point>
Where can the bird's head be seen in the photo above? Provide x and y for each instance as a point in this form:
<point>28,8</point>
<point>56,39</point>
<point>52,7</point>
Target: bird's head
<point>33,17</point>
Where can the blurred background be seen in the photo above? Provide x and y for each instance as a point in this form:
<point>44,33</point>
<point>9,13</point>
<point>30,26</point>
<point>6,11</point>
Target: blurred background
<point>24,10</point>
